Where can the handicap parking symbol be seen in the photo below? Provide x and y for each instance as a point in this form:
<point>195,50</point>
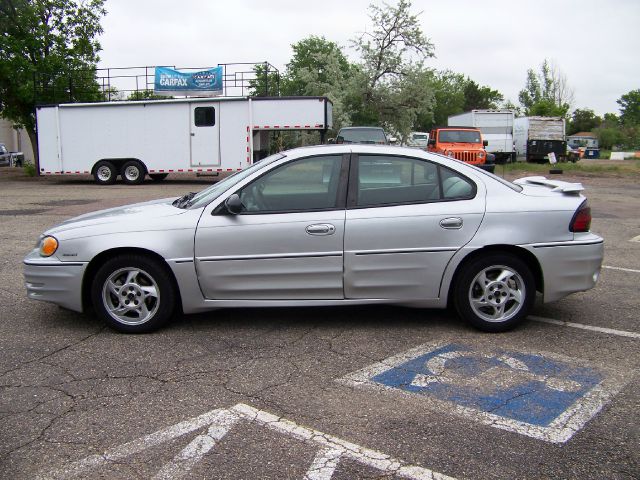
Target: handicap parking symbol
<point>541,395</point>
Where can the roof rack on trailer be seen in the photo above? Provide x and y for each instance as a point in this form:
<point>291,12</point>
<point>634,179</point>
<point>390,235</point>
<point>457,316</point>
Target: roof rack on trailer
<point>256,79</point>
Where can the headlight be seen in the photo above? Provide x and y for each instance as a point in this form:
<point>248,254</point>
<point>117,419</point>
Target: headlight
<point>48,246</point>
<point>450,153</point>
<point>481,155</point>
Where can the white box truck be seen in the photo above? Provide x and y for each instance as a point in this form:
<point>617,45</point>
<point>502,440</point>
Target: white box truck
<point>496,127</point>
<point>158,137</point>
<point>536,137</point>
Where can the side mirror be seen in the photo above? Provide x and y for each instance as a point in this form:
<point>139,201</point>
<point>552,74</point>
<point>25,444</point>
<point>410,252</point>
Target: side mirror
<point>234,204</point>
<point>485,143</point>
<point>331,141</point>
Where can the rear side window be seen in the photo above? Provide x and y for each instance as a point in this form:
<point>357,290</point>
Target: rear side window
<point>204,116</point>
<point>455,186</point>
<point>387,180</point>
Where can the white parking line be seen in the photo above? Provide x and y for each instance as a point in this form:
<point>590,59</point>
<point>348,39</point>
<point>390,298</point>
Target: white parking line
<point>610,331</point>
<point>621,269</point>
<point>330,449</point>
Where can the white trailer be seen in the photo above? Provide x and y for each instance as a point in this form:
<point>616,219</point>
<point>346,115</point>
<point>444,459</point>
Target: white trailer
<point>496,127</point>
<point>158,137</point>
<point>536,137</point>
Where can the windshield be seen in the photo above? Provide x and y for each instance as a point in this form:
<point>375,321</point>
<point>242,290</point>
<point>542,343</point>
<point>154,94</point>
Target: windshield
<point>459,136</point>
<point>420,136</point>
<point>361,135</point>
<point>207,195</point>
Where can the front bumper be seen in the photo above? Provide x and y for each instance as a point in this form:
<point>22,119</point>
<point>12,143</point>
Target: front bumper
<point>569,267</point>
<point>51,280</point>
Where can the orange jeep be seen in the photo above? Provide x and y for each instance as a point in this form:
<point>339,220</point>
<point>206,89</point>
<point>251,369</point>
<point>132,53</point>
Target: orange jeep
<point>461,143</point>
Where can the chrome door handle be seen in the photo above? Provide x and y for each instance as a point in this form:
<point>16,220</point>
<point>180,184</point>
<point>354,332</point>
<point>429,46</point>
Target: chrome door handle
<point>451,223</point>
<point>321,229</point>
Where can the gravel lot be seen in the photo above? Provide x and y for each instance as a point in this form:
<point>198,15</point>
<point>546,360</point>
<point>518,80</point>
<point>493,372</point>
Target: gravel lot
<point>80,401</point>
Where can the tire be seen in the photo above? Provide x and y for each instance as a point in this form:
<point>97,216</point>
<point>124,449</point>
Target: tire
<point>489,302</point>
<point>133,294</point>
<point>105,173</point>
<point>158,177</point>
<point>133,172</point>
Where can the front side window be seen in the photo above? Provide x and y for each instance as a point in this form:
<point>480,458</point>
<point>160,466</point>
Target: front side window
<point>387,180</point>
<point>308,184</point>
<point>204,116</point>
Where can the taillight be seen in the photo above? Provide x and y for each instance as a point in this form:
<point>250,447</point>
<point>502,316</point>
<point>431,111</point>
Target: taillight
<point>581,221</point>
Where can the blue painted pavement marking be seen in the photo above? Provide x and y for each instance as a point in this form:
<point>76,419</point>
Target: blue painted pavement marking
<point>531,389</point>
<point>546,396</point>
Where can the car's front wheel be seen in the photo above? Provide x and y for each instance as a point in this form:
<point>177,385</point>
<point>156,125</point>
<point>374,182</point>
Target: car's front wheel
<point>133,293</point>
<point>495,292</point>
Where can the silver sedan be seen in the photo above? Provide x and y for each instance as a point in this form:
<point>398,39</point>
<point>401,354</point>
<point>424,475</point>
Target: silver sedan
<point>329,225</point>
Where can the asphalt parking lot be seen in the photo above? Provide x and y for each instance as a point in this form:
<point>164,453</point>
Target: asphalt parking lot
<point>317,393</point>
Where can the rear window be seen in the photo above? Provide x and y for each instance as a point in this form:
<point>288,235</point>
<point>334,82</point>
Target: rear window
<point>513,186</point>
<point>362,135</point>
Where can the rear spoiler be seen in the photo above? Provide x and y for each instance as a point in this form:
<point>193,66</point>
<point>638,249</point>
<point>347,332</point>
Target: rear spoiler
<point>557,185</point>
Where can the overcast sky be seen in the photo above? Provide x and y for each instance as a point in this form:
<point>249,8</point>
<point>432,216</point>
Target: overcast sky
<point>596,43</point>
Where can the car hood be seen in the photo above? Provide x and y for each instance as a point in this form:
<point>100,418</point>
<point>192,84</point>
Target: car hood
<point>137,216</point>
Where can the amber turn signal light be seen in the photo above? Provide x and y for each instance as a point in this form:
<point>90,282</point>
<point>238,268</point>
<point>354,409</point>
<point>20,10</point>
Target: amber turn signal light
<point>48,246</point>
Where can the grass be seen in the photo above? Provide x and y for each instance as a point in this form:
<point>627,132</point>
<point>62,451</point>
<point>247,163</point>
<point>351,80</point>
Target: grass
<point>614,168</point>
<point>29,169</point>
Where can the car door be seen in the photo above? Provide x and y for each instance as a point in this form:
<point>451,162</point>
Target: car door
<point>406,217</point>
<point>287,243</point>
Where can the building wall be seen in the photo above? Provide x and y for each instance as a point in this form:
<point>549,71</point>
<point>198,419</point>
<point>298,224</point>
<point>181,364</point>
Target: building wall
<point>589,142</point>
<point>16,140</point>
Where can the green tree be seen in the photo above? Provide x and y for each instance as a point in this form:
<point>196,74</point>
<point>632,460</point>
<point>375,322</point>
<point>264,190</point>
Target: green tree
<point>391,55</point>
<point>317,64</point>
<point>54,43</point>
<point>319,68</point>
<point>609,137</point>
<point>630,107</point>
<point>583,120</point>
<point>145,95</point>
<point>448,94</point>
<point>477,97</point>
<point>266,81</point>
<point>546,93</point>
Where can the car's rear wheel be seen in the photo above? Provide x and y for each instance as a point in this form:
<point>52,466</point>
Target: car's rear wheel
<point>133,293</point>
<point>105,173</point>
<point>133,172</point>
<point>495,292</point>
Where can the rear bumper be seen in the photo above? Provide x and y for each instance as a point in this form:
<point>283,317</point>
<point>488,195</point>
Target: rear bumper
<point>569,267</point>
<point>51,280</point>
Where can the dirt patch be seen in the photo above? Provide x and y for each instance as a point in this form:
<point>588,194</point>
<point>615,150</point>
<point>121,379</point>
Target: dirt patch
<point>64,203</point>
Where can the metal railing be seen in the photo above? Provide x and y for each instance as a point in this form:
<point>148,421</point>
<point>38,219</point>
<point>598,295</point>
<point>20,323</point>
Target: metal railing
<point>136,83</point>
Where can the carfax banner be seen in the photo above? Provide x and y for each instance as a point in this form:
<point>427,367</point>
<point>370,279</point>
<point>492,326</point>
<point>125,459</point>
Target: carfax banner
<point>207,83</point>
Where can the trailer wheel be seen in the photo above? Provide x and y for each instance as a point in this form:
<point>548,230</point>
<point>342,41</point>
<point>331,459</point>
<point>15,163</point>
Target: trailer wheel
<point>158,177</point>
<point>105,173</point>
<point>133,172</point>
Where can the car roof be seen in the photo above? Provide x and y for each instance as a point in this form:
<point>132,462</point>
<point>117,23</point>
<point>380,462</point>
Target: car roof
<point>361,128</point>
